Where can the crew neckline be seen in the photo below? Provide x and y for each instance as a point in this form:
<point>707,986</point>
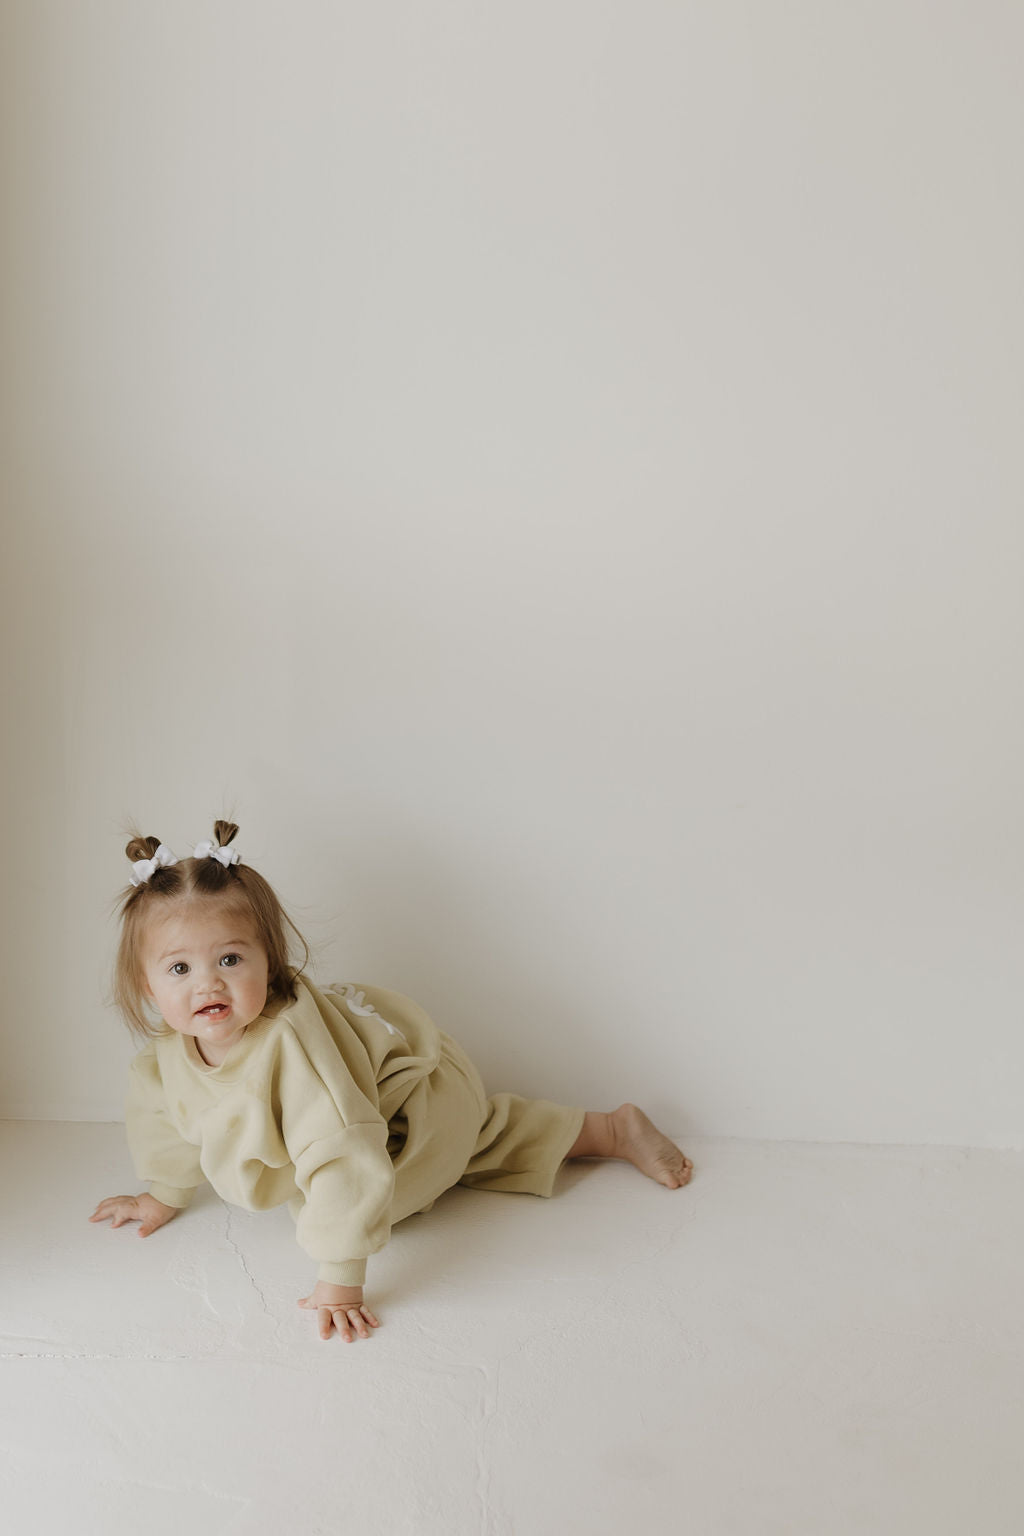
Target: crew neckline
<point>214,1066</point>
<point>195,1056</point>
<point>236,1052</point>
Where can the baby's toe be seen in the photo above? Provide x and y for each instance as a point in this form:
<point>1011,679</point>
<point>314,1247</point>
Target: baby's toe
<point>675,1171</point>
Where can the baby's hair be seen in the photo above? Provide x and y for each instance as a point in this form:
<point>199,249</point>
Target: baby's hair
<point>191,880</point>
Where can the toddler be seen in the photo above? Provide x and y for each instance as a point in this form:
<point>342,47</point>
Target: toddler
<point>347,1103</point>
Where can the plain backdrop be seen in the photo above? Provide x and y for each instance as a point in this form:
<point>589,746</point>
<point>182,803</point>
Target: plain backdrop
<point>552,471</point>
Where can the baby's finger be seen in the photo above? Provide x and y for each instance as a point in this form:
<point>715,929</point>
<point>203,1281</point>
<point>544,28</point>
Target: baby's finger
<point>337,1315</point>
<point>374,1322</point>
<point>347,1318</point>
<point>355,1317</point>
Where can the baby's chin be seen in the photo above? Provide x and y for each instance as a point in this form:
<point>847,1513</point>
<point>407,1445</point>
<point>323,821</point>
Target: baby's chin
<point>222,1029</point>
<point>211,1029</point>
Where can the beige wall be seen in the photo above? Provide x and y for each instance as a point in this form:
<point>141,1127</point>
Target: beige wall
<point>554,472</point>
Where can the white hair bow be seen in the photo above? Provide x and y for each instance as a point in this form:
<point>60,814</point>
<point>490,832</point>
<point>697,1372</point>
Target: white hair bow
<point>144,869</point>
<point>225,856</point>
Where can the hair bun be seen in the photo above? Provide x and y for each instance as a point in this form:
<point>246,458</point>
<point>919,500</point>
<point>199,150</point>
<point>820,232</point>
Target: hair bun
<point>224,831</point>
<point>142,848</point>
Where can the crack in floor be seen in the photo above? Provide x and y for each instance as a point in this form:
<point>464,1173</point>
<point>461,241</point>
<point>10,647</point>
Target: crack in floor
<point>245,1268</point>
<point>488,1412</point>
<point>27,1354</point>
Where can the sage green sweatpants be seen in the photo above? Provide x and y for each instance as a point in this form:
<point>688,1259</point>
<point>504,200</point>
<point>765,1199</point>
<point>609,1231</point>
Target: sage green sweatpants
<point>449,1131</point>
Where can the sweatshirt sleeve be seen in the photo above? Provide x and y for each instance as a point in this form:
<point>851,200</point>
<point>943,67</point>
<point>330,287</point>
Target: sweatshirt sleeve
<point>160,1154</point>
<point>337,1142</point>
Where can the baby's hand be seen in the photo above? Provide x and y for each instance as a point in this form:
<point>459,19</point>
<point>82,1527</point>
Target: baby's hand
<point>152,1213</point>
<point>341,1307</point>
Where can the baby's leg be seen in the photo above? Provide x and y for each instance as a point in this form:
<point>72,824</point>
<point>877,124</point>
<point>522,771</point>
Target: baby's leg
<point>627,1133</point>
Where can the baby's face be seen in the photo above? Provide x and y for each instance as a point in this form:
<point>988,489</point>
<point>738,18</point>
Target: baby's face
<point>206,971</point>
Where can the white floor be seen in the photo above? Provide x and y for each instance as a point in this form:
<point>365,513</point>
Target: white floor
<point>809,1341</point>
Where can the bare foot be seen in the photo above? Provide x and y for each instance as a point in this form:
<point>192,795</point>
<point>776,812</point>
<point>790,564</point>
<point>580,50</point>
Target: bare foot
<point>627,1133</point>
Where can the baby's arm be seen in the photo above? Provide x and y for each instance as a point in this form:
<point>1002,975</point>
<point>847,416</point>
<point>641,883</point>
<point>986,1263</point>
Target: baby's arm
<point>340,1307</point>
<point>162,1157</point>
<point>337,1141</point>
<point>145,1208</point>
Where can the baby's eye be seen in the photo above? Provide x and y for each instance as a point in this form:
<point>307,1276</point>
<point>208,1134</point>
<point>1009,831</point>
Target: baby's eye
<point>179,968</point>
<point>230,959</point>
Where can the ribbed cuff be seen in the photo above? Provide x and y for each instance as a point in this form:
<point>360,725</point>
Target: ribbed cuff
<point>168,1195</point>
<point>349,1272</point>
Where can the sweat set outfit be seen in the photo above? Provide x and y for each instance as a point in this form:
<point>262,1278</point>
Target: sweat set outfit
<point>349,1105</point>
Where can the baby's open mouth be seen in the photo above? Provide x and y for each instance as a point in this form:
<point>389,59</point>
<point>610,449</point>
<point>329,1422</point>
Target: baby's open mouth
<point>213,1011</point>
